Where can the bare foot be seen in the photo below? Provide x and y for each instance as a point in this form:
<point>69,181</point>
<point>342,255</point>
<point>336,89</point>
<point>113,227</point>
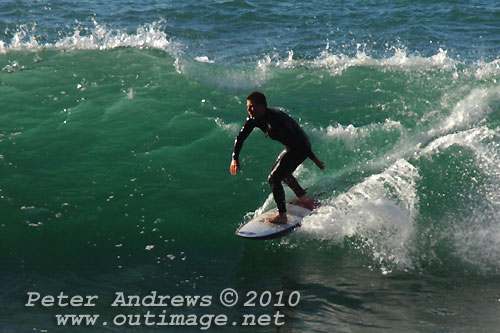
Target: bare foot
<point>277,219</point>
<point>306,202</point>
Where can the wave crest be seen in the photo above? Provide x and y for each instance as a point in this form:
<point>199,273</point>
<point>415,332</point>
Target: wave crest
<point>99,37</point>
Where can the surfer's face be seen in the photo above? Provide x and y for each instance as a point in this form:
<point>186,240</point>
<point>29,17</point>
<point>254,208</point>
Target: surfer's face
<point>255,110</point>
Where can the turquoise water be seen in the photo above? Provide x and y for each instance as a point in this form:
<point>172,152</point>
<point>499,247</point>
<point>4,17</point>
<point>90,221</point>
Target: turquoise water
<point>117,125</point>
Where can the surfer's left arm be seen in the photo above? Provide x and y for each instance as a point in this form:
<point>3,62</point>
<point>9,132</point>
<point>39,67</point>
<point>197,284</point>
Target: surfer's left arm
<point>313,157</point>
<point>319,163</point>
<point>299,139</point>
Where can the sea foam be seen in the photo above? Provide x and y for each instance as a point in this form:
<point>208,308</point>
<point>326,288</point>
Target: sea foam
<point>379,212</point>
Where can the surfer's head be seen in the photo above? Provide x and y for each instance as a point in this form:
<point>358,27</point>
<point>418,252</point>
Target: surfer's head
<point>256,104</point>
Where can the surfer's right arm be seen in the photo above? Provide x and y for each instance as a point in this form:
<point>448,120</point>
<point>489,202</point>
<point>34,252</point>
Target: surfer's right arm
<point>238,144</point>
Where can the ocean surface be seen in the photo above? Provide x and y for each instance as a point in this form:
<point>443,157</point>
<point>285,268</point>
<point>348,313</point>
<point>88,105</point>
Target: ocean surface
<point>117,123</point>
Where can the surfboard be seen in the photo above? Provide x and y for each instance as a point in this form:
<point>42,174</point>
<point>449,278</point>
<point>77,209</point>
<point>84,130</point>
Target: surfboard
<point>258,228</point>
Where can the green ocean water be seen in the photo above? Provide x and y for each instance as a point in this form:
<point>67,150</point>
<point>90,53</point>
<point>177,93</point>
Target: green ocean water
<point>116,140</point>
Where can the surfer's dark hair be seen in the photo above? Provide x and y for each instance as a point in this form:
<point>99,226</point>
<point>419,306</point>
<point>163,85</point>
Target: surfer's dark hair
<point>257,98</point>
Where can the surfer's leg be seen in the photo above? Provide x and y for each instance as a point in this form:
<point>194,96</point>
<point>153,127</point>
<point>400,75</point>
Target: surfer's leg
<point>279,196</point>
<point>274,180</point>
<point>292,183</point>
<point>301,194</point>
<point>283,168</point>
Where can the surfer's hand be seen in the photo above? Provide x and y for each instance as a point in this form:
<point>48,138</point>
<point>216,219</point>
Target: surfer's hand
<point>235,167</point>
<point>318,163</point>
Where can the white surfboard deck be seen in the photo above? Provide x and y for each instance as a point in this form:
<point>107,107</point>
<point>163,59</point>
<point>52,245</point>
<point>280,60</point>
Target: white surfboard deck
<point>258,228</point>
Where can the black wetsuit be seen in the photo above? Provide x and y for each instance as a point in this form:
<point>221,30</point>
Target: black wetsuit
<point>281,127</point>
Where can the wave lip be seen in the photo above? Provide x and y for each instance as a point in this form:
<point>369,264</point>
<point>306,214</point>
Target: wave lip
<point>338,63</point>
<point>100,37</point>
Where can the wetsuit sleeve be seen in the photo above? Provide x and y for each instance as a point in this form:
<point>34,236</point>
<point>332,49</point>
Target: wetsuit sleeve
<point>308,150</point>
<point>305,146</point>
<point>241,137</point>
<point>300,139</point>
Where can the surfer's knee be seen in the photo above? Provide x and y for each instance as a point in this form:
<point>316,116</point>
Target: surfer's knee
<point>273,179</point>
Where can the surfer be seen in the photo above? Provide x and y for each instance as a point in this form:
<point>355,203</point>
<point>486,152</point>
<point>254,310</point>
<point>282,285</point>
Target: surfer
<point>281,127</point>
